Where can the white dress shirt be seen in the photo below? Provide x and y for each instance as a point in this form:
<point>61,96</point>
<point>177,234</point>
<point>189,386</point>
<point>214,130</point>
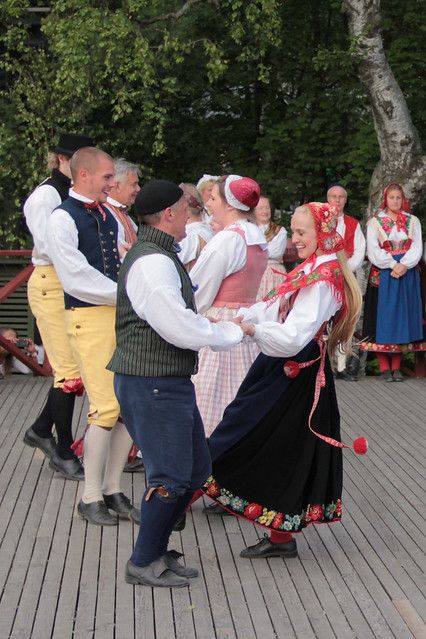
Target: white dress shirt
<point>37,210</point>
<point>312,307</point>
<point>355,261</point>
<point>154,289</point>
<point>191,243</point>
<point>381,258</point>
<point>226,253</point>
<point>77,276</point>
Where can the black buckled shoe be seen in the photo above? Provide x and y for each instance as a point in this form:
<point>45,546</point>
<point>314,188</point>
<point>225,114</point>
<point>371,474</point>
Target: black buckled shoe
<point>46,444</point>
<point>157,574</point>
<point>96,513</point>
<point>68,468</point>
<point>265,548</point>
<point>180,523</point>
<point>171,558</point>
<point>136,466</point>
<point>119,503</point>
<point>397,376</point>
<point>215,509</point>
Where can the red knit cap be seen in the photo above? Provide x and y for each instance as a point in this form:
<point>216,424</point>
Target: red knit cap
<point>242,193</point>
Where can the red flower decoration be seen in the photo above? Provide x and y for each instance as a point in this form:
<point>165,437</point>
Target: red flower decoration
<point>291,369</point>
<point>316,513</point>
<point>338,511</point>
<point>278,520</point>
<point>74,385</point>
<point>213,490</point>
<point>253,511</point>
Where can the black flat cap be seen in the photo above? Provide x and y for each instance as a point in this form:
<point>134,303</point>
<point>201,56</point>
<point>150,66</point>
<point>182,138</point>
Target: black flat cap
<point>155,196</point>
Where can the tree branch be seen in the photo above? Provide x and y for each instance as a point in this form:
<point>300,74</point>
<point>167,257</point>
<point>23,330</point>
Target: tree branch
<point>180,13</point>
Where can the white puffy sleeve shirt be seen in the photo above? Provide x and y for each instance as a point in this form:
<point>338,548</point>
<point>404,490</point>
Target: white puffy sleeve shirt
<point>190,244</point>
<point>226,253</point>
<point>37,210</point>
<point>77,276</point>
<point>312,307</point>
<point>381,258</point>
<point>277,246</point>
<point>154,289</point>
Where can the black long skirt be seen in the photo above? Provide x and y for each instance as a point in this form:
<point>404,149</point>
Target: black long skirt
<point>278,473</point>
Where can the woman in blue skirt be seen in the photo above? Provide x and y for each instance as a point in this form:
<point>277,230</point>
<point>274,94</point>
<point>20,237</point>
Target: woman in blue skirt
<point>393,305</point>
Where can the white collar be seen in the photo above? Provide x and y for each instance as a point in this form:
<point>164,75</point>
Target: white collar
<point>78,196</point>
<point>119,205</point>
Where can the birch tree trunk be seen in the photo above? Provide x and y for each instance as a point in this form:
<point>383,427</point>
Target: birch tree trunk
<point>401,158</point>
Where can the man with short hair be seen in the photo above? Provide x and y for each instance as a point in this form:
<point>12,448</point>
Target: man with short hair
<point>83,244</point>
<point>350,229</point>
<point>121,198</point>
<point>46,299</point>
<point>159,334</point>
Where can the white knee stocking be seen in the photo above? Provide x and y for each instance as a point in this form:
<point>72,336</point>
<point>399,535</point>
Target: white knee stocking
<point>119,447</point>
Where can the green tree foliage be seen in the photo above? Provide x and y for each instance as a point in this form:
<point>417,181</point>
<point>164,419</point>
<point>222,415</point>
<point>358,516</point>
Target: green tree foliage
<point>262,87</point>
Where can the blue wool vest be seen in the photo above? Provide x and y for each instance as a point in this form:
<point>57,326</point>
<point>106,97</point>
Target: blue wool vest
<point>97,240</point>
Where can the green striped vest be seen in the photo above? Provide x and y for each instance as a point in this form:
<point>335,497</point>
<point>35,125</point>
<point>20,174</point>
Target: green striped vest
<point>140,350</point>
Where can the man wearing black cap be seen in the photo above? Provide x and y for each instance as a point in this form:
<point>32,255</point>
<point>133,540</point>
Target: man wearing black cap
<point>158,335</point>
<point>46,298</point>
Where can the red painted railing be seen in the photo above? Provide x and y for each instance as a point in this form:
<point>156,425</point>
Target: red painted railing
<point>5,292</point>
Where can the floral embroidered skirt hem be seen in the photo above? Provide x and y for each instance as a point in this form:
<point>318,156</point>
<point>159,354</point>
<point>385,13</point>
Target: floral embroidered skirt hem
<point>278,474</point>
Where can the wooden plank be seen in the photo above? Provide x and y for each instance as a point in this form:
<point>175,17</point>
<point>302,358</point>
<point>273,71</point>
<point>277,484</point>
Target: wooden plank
<point>256,601</point>
<point>35,576</point>
<point>279,568</point>
<point>202,614</point>
<point>124,599</point>
<point>363,578</point>
<point>85,615</point>
<point>241,617</point>
<point>216,591</point>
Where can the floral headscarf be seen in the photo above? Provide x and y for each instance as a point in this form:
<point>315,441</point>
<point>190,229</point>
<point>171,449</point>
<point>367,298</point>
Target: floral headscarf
<point>400,218</point>
<point>325,218</point>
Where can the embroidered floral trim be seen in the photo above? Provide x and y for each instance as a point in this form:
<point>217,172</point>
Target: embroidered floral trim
<point>329,272</point>
<point>393,348</point>
<point>318,513</point>
<point>387,223</point>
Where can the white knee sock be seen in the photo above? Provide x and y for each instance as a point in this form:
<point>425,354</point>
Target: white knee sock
<point>96,446</point>
<point>341,360</point>
<point>119,447</point>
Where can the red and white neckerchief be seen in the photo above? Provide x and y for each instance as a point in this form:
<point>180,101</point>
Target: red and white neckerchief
<point>93,206</point>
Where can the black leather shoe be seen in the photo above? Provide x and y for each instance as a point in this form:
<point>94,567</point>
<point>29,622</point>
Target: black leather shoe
<point>96,513</point>
<point>46,444</point>
<point>387,376</point>
<point>119,503</point>
<point>68,468</point>
<point>215,509</point>
<point>180,523</point>
<point>397,376</point>
<point>341,375</point>
<point>171,558</point>
<point>266,548</point>
<point>157,574</point>
<point>136,466</point>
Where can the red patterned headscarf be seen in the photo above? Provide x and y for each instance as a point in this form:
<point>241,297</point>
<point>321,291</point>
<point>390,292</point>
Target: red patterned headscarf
<point>325,218</point>
<point>400,220</point>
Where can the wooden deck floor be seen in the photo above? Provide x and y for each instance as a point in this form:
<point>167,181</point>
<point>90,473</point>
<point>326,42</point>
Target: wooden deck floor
<point>364,577</point>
